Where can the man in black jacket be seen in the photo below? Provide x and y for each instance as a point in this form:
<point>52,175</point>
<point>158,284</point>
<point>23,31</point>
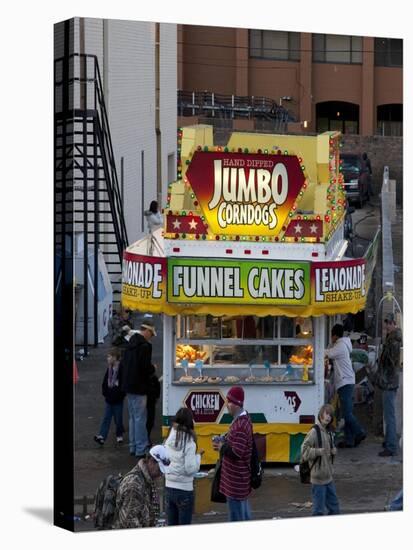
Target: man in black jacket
<point>138,369</point>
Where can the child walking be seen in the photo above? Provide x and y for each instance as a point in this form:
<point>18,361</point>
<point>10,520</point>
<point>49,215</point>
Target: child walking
<point>185,463</point>
<point>320,458</point>
<point>114,397</point>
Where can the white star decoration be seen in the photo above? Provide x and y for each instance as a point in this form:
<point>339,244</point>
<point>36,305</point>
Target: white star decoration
<point>298,228</point>
<point>176,224</point>
<point>193,224</point>
<point>313,228</point>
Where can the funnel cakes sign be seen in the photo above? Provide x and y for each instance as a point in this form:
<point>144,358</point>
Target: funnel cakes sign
<point>245,194</point>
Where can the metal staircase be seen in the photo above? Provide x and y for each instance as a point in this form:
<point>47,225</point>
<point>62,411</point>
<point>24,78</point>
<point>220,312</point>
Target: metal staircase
<point>88,204</point>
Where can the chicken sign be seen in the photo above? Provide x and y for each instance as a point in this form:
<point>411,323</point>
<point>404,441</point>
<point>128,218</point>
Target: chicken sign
<point>245,194</point>
<point>205,405</point>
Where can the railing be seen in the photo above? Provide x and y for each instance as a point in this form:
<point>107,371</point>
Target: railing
<point>83,90</point>
<point>388,302</point>
<point>210,104</point>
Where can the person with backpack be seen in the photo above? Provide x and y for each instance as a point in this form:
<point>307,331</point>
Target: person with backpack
<point>114,396</point>
<point>236,451</point>
<point>319,450</point>
<point>138,369</point>
<point>185,462</point>
<point>137,498</point>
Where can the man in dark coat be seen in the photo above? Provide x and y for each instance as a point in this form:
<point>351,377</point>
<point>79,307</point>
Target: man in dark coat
<point>387,379</point>
<point>138,369</point>
<point>366,173</point>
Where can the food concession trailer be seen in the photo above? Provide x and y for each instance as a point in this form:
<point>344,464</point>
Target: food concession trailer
<point>250,274</point>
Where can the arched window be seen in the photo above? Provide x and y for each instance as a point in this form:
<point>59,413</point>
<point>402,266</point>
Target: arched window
<point>337,115</point>
<point>390,119</point>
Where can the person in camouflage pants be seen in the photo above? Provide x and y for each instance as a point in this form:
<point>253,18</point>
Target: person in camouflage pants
<point>137,499</point>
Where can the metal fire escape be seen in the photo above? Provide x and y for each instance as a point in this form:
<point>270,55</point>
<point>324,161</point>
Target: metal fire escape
<point>88,204</point>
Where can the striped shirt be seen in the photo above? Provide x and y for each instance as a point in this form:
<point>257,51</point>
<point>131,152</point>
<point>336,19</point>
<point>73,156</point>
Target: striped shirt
<point>236,472</point>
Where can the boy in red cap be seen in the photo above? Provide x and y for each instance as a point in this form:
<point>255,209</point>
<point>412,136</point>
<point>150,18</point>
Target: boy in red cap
<point>236,452</point>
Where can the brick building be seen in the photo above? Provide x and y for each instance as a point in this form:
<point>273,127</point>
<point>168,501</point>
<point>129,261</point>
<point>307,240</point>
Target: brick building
<point>332,82</point>
<point>353,84</point>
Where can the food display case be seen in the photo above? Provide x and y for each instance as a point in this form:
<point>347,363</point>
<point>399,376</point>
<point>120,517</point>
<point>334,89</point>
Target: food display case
<point>242,349</point>
<point>248,272</point>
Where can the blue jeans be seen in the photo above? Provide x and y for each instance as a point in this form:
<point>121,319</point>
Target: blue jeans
<point>397,503</point>
<point>324,497</point>
<point>138,436</point>
<point>352,428</point>
<point>389,413</point>
<point>238,510</point>
<point>115,411</point>
<point>179,506</point>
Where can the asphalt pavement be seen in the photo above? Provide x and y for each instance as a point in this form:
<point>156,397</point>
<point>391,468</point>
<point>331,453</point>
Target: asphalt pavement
<point>365,482</point>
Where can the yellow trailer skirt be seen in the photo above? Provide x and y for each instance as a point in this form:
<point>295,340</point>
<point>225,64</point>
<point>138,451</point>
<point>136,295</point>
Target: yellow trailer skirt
<point>275,442</point>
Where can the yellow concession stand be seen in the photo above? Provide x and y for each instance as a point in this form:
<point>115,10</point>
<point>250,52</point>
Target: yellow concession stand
<point>250,273</point>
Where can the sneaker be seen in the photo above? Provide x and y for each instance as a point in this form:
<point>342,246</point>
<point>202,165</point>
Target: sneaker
<point>119,439</point>
<point>99,439</point>
<point>386,452</point>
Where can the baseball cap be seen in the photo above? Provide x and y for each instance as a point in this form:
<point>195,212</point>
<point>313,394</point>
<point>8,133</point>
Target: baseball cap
<point>149,326</point>
<point>160,454</point>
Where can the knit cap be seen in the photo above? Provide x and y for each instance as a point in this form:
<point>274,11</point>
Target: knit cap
<point>236,395</point>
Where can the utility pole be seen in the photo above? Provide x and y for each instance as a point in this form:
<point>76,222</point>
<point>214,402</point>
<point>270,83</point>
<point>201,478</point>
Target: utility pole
<point>157,115</point>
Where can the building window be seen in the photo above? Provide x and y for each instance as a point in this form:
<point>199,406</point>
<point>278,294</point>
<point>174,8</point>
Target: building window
<point>336,48</point>
<point>390,120</point>
<point>388,52</point>
<point>337,116</point>
<point>274,45</point>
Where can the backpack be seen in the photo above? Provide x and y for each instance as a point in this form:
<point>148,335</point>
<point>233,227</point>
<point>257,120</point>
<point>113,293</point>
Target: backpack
<point>256,468</point>
<point>305,468</point>
<point>105,501</point>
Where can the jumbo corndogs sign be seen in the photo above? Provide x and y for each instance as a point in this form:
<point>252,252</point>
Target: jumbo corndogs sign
<point>245,194</point>
<point>215,286</point>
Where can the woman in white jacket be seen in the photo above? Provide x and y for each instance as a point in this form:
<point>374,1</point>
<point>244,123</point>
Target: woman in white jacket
<point>185,463</point>
<point>153,217</point>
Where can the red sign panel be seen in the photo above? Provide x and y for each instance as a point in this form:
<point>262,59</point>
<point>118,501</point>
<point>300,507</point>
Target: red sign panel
<point>245,194</point>
<point>343,281</point>
<point>206,406</point>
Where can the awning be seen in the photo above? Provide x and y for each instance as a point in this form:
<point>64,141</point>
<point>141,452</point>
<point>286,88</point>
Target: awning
<point>220,286</point>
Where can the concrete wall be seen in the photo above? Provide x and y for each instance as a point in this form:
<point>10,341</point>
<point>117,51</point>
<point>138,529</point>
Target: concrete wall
<point>129,82</point>
<point>130,98</point>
